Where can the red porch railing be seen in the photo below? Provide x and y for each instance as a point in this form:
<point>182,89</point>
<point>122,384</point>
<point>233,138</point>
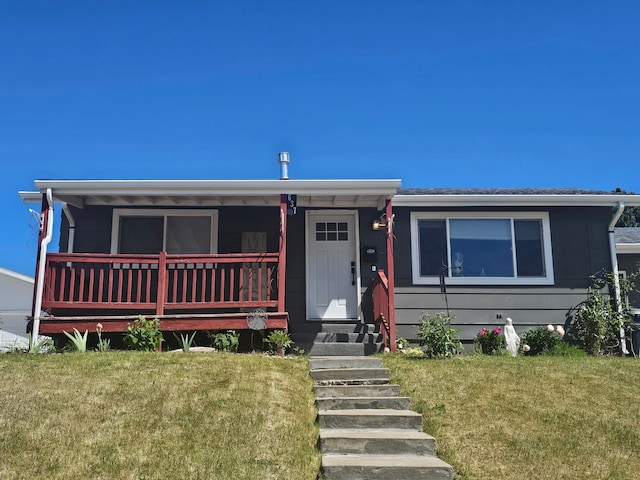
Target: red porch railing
<point>382,309</point>
<point>161,283</point>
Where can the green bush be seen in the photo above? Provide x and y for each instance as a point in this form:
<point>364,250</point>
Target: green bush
<point>278,341</point>
<point>539,341</point>
<point>228,341</point>
<point>437,338</point>
<point>143,334</point>
<point>596,322</point>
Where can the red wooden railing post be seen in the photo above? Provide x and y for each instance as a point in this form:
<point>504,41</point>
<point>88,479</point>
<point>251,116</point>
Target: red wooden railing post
<point>282,253</point>
<point>391,278</point>
<point>162,283</point>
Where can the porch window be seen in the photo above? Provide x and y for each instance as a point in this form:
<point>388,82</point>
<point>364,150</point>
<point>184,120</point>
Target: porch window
<point>137,231</point>
<point>477,249</point>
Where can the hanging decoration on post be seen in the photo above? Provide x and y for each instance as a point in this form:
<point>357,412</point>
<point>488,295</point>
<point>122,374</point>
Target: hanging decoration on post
<point>257,320</point>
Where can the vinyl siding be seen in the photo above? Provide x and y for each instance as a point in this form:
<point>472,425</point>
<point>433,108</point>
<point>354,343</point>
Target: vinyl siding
<point>580,248</point>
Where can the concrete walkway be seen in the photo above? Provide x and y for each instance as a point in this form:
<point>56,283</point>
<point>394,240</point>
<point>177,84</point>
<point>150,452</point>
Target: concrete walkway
<point>366,429</point>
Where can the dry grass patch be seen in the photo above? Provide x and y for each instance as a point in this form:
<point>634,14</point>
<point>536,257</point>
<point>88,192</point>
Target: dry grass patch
<point>545,417</point>
<point>125,415</point>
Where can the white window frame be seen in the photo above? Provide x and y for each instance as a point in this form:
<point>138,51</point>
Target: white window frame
<point>164,212</point>
<point>451,280</point>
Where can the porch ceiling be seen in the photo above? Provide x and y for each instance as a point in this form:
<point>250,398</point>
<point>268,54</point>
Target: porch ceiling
<point>213,193</point>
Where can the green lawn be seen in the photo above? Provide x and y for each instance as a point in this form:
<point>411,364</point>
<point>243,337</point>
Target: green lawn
<point>519,418</point>
<point>125,415</point>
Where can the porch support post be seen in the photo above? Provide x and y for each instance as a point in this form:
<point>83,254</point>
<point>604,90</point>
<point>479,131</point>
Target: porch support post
<point>162,283</point>
<point>282,253</point>
<point>391,277</point>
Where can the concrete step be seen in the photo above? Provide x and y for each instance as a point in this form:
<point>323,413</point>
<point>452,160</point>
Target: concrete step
<point>313,327</point>
<point>385,467</point>
<point>386,390</point>
<point>339,337</point>
<point>351,403</point>
<point>350,374</point>
<point>370,418</point>
<point>357,327</point>
<point>318,363</point>
<point>376,441</point>
<point>341,349</point>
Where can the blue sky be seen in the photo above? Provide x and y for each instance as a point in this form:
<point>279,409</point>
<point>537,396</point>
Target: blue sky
<point>436,93</point>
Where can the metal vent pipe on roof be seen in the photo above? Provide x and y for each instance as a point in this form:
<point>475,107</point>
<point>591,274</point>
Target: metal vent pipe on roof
<point>283,159</point>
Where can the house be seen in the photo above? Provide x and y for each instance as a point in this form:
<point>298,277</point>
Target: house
<point>294,254</point>
<point>628,250</point>
<point>16,298</point>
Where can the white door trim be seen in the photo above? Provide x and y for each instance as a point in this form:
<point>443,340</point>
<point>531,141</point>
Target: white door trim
<point>356,248</point>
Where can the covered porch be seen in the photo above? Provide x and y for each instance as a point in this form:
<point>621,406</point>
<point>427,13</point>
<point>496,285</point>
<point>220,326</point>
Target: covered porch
<point>229,270</point>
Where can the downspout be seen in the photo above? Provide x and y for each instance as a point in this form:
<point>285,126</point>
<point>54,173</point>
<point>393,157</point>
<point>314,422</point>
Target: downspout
<point>72,227</point>
<point>616,278</point>
<point>41,266</point>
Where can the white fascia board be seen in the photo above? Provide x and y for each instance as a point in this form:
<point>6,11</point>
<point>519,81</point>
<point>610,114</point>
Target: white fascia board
<point>627,248</point>
<point>218,187</point>
<point>514,200</point>
<point>30,197</point>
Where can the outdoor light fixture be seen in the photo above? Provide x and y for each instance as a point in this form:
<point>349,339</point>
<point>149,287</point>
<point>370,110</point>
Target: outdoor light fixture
<point>379,223</point>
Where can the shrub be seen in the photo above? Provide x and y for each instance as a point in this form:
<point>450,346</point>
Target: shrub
<point>228,341</point>
<point>489,342</point>
<point>278,341</point>
<point>539,341</point>
<point>401,343</point>
<point>596,322</point>
<point>437,338</point>
<point>143,334</point>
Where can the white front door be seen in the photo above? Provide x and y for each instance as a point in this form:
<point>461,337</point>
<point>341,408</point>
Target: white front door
<point>332,266</point>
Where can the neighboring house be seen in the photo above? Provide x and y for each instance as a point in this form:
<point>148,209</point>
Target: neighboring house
<point>16,298</point>
<point>203,255</point>
<point>628,250</point>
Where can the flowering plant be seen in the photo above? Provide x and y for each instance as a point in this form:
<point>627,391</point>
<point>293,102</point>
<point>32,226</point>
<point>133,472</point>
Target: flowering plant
<point>540,340</point>
<point>489,342</point>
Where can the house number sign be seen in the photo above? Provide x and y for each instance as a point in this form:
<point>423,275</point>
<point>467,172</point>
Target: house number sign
<point>292,204</point>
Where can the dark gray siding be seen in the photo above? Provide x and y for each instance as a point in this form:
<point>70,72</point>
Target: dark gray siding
<point>630,263</point>
<point>92,232</point>
<point>296,262</point>
<point>296,279</point>
<point>580,248</point>
<point>232,221</point>
<point>94,223</point>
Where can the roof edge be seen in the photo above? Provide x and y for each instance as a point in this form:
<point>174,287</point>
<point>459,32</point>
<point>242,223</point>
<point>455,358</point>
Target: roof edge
<point>481,200</point>
<point>218,187</point>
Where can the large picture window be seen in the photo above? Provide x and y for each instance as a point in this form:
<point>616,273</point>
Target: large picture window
<point>173,231</point>
<point>483,248</point>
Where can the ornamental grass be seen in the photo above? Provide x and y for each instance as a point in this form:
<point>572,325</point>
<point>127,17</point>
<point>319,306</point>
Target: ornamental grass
<point>134,415</point>
<point>528,417</point>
